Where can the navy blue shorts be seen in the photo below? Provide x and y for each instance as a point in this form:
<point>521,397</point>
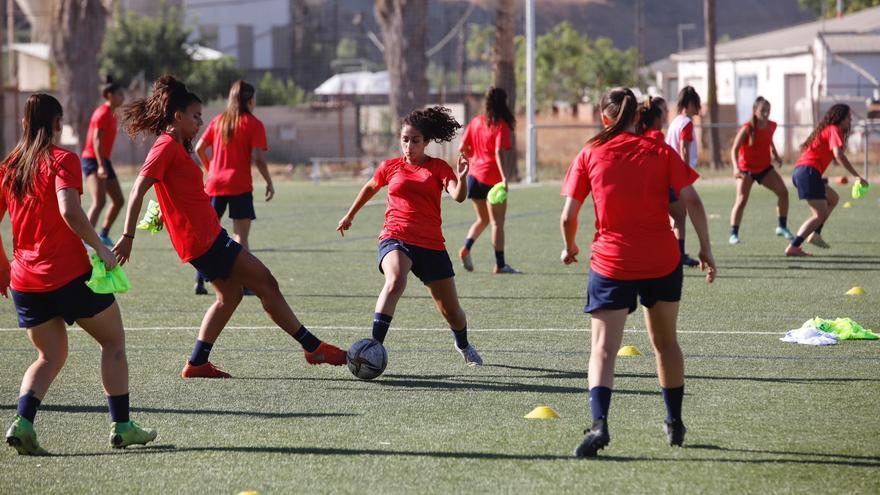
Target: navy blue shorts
<point>809,182</point>
<point>672,196</point>
<point>241,206</point>
<point>607,293</point>
<point>476,189</point>
<point>428,264</point>
<point>90,166</point>
<point>71,302</point>
<point>217,262</point>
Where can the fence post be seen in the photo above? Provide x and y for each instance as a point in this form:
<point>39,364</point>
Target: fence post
<point>316,170</point>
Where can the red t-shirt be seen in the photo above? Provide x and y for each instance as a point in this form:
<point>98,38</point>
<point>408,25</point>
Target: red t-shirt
<point>484,139</point>
<point>756,158</point>
<point>414,191</point>
<point>186,209</point>
<point>46,254</point>
<point>656,134</point>
<point>821,151</point>
<point>104,119</point>
<point>229,173</point>
<point>630,177</point>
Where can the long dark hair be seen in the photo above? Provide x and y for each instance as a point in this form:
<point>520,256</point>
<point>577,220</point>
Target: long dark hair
<point>239,95</point>
<point>154,113</point>
<point>686,96</point>
<point>759,101</point>
<point>649,111</point>
<point>495,103</point>
<point>22,164</point>
<point>619,105</point>
<point>834,116</point>
<point>435,123</point>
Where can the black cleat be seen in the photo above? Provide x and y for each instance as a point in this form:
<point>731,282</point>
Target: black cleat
<point>201,290</point>
<point>688,261</point>
<point>675,431</point>
<point>597,438</point>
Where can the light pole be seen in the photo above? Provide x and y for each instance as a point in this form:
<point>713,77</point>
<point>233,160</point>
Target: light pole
<point>681,30</point>
<point>532,136</point>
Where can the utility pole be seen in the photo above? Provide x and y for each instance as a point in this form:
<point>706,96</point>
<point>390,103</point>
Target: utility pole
<point>712,96</point>
<point>13,66</point>
<point>640,37</point>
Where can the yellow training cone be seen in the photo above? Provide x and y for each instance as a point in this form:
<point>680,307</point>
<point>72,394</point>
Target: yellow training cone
<point>847,205</point>
<point>856,291</point>
<point>251,492</point>
<point>629,350</point>
<point>542,412</point>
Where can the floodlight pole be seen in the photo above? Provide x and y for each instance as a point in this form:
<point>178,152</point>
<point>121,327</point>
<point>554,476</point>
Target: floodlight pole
<point>532,137</point>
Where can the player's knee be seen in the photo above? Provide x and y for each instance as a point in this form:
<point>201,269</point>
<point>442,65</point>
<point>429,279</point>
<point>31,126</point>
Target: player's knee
<point>395,285</point>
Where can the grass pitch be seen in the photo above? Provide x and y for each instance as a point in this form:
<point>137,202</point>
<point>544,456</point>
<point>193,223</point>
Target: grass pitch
<point>763,416</point>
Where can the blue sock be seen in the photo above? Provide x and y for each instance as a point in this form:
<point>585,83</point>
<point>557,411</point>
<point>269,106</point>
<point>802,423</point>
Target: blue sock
<point>798,240</point>
<point>673,398</point>
<point>469,243</point>
<point>819,229</point>
<point>27,406</point>
<point>305,338</point>
<point>461,340</point>
<point>782,222</point>
<point>199,279</point>
<point>105,231</point>
<point>499,259</point>
<point>600,402</point>
<point>681,246</point>
<point>381,322</point>
<point>734,230</point>
<point>118,405</point>
<point>201,352</point>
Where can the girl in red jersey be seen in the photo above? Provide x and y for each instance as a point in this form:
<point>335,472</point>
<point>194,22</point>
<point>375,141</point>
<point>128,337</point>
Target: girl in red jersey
<point>412,238</point>
<point>40,186</point>
<point>485,138</point>
<point>653,113</point>
<point>827,142</point>
<point>175,115</point>
<point>634,254</point>
<point>96,165</point>
<point>750,155</point>
<point>235,136</point>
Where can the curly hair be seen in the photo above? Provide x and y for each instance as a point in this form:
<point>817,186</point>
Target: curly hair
<point>435,123</point>
<point>154,113</point>
<point>834,116</point>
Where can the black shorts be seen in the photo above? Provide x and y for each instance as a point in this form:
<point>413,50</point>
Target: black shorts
<point>217,262</point>
<point>476,189</point>
<point>71,302</point>
<point>429,265</point>
<point>758,176</point>
<point>241,206</point>
<point>809,182</point>
<point>607,293</point>
<point>672,196</point>
<point>90,166</point>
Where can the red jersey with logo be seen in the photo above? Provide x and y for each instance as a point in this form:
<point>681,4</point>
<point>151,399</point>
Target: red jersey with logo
<point>104,119</point>
<point>483,140</point>
<point>186,209</point>
<point>756,157</point>
<point>629,178</point>
<point>820,152</point>
<point>414,192</point>
<point>229,173</point>
<point>46,254</point>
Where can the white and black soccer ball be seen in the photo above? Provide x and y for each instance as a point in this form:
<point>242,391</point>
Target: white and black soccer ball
<point>366,359</point>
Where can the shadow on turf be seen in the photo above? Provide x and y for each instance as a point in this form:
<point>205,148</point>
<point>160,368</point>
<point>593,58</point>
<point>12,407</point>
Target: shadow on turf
<point>208,412</point>
<point>771,379</point>
<point>824,458</point>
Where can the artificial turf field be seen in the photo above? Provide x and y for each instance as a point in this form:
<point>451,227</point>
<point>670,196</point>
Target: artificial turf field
<point>763,416</point>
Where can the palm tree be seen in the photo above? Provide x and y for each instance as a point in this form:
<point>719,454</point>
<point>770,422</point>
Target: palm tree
<point>404,32</point>
<point>505,73</point>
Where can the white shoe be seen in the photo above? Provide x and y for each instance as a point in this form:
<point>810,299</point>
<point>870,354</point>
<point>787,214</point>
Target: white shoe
<point>817,240</point>
<point>470,355</point>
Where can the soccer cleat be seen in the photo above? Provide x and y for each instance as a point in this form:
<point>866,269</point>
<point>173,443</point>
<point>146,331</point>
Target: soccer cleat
<point>23,438</point>
<point>784,232</point>
<point>470,355</point>
<point>466,262</point>
<point>124,434</point>
<point>675,431</point>
<point>688,261</point>
<point>597,439</point>
<point>326,354</point>
<point>201,290</point>
<point>796,251</point>
<point>505,269</point>
<point>816,240</point>
<point>734,239</point>
<point>106,240</point>
<point>207,370</point>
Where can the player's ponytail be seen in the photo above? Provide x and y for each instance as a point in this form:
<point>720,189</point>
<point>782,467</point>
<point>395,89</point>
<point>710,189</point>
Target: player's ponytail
<point>759,102</point>
<point>649,113</point>
<point>435,123</point>
<point>620,107</point>
<point>686,96</point>
<point>110,86</point>
<point>41,111</point>
<point>154,113</point>
<point>834,116</point>
<point>240,94</point>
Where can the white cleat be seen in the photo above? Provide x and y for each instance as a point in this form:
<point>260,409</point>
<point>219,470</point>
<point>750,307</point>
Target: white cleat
<point>470,355</point>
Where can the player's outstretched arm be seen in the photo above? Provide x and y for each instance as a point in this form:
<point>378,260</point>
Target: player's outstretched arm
<point>367,192</point>
<point>734,151</point>
<point>71,211</point>
<point>459,190</point>
<point>568,224</point>
<point>139,189</point>
<point>840,157</point>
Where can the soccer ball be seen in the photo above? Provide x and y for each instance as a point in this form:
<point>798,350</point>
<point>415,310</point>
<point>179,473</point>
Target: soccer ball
<point>366,359</point>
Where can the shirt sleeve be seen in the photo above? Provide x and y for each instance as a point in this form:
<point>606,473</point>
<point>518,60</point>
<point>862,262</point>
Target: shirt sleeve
<point>687,132</point>
<point>772,126</point>
<point>381,174</point>
<point>446,174</point>
<point>502,140</point>
<point>157,161</point>
<point>69,174</point>
<point>208,136</point>
<point>258,136</point>
<point>680,174</point>
<point>577,180</point>
<point>835,139</point>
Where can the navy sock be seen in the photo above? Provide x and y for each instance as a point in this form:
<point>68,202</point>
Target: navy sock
<point>200,353</point>
<point>600,402</point>
<point>118,405</point>
<point>734,230</point>
<point>819,229</point>
<point>499,259</point>
<point>673,397</point>
<point>469,243</point>
<point>461,340</point>
<point>27,406</point>
<point>798,240</point>
<point>105,231</point>
<point>305,338</point>
<point>199,279</point>
<point>782,222</point>
<point>381,322</point>
<point>681,246</point>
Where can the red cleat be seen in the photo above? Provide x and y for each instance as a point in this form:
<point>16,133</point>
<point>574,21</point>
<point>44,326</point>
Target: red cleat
<point>326,353</point>
<point>207,370</point>
<point>796,251</point>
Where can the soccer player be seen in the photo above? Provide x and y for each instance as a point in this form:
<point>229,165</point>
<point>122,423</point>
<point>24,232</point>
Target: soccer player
<point>175,115</point>
<point>412,238</point>
<point>40,187</point>
<point>484,140</point>
<point>634,255</point>
<point>750,156</point>
<point>681,137</point>
<point>827,142</point>
<point>96,165</point>
<point>235,137</point>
